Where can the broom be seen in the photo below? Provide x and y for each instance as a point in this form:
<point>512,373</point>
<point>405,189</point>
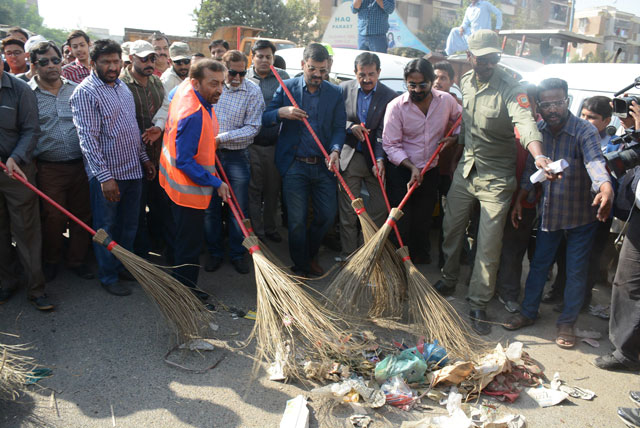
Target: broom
<point>247,222</point>
<point>348,284</point>
<point>388,275</point>
<point>14,370</point>
<point>435,318</point>
<point>180,308</point>
<point>284,308</point>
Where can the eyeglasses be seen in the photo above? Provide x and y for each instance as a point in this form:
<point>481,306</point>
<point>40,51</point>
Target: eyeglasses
<point>412,85</point>
<point>546,105</point>
<point>43,62</point>
<point>234,73</point>
<point>13,53</point>
<point>493,58</point>
<point>150,57</point>
<point>185,61</point>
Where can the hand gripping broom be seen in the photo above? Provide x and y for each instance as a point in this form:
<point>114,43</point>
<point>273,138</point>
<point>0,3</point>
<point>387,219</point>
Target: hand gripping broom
<point>180,308</point>
<point>247,222</point>
<point>387,274</point>
<point>434,317</point>
<point>284,308</point>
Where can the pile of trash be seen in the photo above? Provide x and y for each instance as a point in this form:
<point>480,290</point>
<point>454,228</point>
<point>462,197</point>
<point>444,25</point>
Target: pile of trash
<point>406,377</point>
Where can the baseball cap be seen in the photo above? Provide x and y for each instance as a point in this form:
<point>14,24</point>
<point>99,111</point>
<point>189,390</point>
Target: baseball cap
<point>141,48</point>
<point>32,41</point>
<point>125,51</point>
<point>484,42</point>
<point>178,51</point>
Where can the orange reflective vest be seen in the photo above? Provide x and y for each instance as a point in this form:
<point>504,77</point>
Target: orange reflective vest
<point>180,188</point>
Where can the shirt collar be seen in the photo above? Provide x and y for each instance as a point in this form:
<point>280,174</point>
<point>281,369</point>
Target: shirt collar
<point>304,86</point>
<point>34,83</point>
<point>373,91</point>
<point>204,102</point>
<point>570,126</point>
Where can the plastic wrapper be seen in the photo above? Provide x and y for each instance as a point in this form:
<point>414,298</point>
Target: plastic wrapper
<point>373,397</point>
<point>296,414</point>
<point>409,364</point>
<point>398,393</point>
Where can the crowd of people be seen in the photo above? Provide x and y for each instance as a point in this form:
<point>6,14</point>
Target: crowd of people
<point>150,141</point>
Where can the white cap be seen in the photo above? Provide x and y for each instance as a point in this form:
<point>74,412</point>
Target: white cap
<point>32,41</point>
<point>141,48</point>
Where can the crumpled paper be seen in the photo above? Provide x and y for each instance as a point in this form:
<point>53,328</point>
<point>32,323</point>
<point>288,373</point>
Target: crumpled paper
<point>546,397</point>
<point>573,391</point>
<point>454,373</point>
<point>373,397</point>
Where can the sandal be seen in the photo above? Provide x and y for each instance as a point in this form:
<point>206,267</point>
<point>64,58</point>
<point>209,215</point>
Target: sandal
<point>566,336</point>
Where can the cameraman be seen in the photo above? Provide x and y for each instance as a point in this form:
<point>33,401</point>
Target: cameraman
<point>624,325</point>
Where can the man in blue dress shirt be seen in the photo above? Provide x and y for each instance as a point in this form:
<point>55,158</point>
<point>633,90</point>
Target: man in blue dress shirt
<point>373,23</point>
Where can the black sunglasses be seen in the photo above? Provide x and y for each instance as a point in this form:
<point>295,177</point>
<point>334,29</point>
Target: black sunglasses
<point>234,73</point>
<point>150,57</point>
<point>43,62</point>
<point>185,61</point>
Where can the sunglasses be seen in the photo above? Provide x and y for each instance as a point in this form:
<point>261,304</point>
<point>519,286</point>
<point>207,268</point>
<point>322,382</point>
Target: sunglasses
<point>546,105</point>
<point>185,61</point>
<point>412,85</point>
<point>43,62</point>
<point>151,57</point>
<point>493,58</point>
<point>234,73</point>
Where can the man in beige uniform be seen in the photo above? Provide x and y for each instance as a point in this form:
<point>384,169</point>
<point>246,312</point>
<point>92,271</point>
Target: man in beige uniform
<point>492,103</point>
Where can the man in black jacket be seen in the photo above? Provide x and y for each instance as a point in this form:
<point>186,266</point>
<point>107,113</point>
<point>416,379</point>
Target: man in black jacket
<point>365,100</point>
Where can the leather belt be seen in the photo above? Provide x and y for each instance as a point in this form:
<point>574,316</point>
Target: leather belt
<point>311,160</point>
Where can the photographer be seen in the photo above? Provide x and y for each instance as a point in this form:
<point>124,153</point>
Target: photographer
<point>624,325</point>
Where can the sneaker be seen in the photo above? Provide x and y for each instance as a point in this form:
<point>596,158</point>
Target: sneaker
<point>41,303</point>
<point>241,266</point>
<point>631,417</point>
<point>635,397</point>
<point>511,306</point>
<point>212,264</point>
<point>82,271</point>
<point>117,289</point>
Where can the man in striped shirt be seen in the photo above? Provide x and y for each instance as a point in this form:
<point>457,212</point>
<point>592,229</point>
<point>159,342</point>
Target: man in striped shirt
<point>104,113</point>
<point>79,69</point>
<point>568,207</point>
<point>239,114</point>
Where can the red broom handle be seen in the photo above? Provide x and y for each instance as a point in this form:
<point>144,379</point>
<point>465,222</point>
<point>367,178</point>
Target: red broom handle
<point>384,193</point>
<point>336,168</point>
<point>51,201</point>
<point>426,167</point>
<point>236,214</point>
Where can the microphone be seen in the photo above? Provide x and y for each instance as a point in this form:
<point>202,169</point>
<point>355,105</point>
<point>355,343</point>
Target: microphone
<point>611,130</point>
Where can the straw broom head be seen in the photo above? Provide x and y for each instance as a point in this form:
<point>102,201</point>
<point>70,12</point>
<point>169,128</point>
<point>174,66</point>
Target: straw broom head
<point>347,290</point>
<point>265,249</point>
<point>288,318</point>
<point>180,307</point>
<point>14,370</point>
<point>388,279</point>
<point>435,318</point>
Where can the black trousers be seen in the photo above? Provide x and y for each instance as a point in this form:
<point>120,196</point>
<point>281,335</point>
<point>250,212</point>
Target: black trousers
<point>624,324</point>
<point>189,232</point>
<point>415,224</point>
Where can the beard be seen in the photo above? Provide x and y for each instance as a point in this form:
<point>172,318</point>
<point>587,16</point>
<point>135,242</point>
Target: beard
<point>418,96</point>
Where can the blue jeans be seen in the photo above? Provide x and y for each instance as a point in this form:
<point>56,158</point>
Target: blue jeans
<point>118,219</point>
<point>579,242</point>
<point>236,165</point>
<point>375,43</point>
<point>299,183</point>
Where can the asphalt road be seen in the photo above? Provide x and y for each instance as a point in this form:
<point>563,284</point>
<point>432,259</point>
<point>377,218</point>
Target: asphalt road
<point>107,356</point>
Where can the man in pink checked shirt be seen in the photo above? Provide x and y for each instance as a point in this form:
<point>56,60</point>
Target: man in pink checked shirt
<point>414,124</point>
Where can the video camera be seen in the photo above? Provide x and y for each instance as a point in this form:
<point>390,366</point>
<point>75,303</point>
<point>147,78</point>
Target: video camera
<point>622,105</point>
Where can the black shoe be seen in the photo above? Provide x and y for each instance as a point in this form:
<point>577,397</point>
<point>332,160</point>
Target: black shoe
<point>82,271</point>
<point>551,297</point>
<point>635,397</point>
<point>117,289</point>
<point>5,294</point>
<point>629,416</point>
<point>50,271</point>
<point>210,307</point>
<point>442,288</point>
<point>203,296</point>
<point>609,362</point>
<point>479,322</point>
<point>41,303</point>
<point>304,273</point>
<point>212,264</point>
<point>125,275</point>
<point>241,266</point>
<point>274,237</point>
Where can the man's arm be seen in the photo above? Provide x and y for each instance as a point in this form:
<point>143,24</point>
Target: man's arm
<point>387,5</point>
<point>498,13</point>
<point>28,124</point>
<point>355,6</point>
<point>339,118</point>
<point>86,118</point>
<point>252,120</point>
<point>187,138</point>
<point>596,168</point>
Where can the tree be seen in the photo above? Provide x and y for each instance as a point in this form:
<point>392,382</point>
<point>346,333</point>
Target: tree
<point>434,35</point>
<point>18,12</point>
<point>296,20</point>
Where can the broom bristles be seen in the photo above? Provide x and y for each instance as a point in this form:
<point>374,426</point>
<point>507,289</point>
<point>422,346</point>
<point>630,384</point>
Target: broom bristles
<point>435,318</point>
<point>264,247</point>
<point>289,318</point>
<point>14,370</point>
<point>183,311</point>
<point>346,290</point>
<point>388,279</point>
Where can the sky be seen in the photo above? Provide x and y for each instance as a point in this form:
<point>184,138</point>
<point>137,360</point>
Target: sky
<point>174,16</point>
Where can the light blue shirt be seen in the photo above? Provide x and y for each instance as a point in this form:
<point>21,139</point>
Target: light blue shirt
<point>364,101</point>
<point>478,17</point>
